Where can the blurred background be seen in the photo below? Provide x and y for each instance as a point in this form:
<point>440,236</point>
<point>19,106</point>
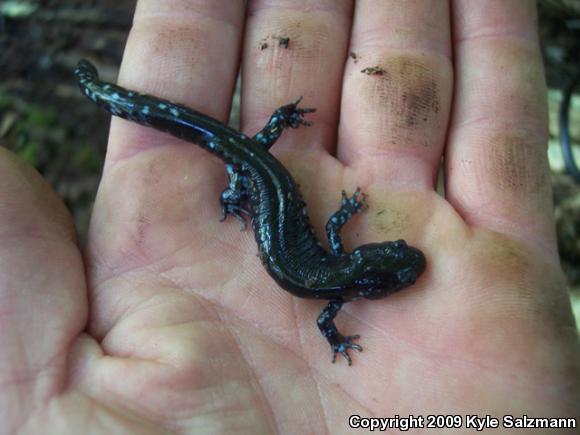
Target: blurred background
<point>45,119</point>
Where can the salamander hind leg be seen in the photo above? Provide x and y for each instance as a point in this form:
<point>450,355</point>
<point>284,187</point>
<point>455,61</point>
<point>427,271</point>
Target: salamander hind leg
<point>348,207</point>
<point>234,197</point>
<point>286,116</point>
<point>338,342</point>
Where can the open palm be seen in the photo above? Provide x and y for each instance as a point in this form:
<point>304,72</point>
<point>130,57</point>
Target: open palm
<point>170,323</point>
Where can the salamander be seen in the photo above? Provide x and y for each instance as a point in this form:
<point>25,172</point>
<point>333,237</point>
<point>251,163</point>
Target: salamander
<point>262,190</point>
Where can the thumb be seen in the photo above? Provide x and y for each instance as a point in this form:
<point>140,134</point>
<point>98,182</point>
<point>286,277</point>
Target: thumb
<point>43,304</point>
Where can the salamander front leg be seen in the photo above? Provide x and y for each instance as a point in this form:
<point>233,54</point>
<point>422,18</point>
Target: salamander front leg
<point>286,116</point>
<point>233,198</point>
<point>348,207</point>
<point>338,342</point>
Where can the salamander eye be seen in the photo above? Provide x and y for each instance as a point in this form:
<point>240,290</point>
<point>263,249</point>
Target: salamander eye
<point>400,244</point>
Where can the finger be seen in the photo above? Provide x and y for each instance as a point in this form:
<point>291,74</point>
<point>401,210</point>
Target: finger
<point>156,189</point>
<point>42,291</point>
<point>397,90</point>
<point>497,170</point>
<point>308,63</point>
<point>184,51</point>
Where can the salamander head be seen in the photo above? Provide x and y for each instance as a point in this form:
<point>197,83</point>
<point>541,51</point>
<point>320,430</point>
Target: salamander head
<point>384,268</point>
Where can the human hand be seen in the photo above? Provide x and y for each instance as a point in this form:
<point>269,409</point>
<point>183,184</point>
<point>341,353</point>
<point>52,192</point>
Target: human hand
<point>170,321</point>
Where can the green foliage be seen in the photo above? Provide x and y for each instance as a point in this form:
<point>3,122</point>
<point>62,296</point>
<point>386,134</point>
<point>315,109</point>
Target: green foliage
<point>41,136</point>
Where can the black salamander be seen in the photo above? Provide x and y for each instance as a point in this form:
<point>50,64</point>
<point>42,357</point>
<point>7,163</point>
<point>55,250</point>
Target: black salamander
<point>260,188</point>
